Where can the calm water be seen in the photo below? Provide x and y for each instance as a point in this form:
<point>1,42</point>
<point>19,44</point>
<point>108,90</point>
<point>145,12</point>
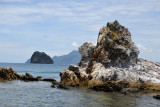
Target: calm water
<point>40,94</point>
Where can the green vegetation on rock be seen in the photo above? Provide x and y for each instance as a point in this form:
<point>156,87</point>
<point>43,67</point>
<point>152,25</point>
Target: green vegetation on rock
<point>41,57</point>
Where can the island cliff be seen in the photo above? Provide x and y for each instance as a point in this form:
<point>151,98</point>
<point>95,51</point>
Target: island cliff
<point>41,57</point>
<point>113,61</point>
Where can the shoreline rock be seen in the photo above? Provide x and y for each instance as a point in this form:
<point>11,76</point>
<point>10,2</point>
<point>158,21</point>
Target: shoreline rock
<point>8,74</point>
<point>156,97</point>
<point>49,80</point>
<point>113,59</point>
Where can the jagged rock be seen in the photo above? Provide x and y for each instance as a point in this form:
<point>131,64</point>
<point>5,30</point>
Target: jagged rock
<point>59,85</point>
<point>41,57</point>
<point>156,97</point>
<point>10,74</point>
<point>49,79</point>
<point>114,58</point>
<point>73,75</point>
<point>107,87</point>
<point>115,46</point>
<point>29,75</point>
<point>86,50</point>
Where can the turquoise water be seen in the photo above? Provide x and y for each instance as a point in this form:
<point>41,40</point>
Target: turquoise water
<point>40,94</point>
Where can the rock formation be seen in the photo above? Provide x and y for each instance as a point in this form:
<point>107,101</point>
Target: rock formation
<point>10,74</point>
<point>41,57</point>
<point>114,58</point>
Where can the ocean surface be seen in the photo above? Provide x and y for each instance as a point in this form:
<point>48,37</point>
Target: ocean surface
<point>40,94</point>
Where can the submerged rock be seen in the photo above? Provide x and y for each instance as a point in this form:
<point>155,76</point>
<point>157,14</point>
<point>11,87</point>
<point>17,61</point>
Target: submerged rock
<point>156,97</point>
<point>49,79</point>
<point>56,84</point>
<point>107,87</point>
<point>62,86</point>
<point>129,90</point>
<point>114,58</point>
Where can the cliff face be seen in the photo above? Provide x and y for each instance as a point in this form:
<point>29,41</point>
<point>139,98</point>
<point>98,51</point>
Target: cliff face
<point>114,58</point>
<point>41,57</point>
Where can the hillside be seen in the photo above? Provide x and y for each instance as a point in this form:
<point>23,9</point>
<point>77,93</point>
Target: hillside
<point>71,58</point>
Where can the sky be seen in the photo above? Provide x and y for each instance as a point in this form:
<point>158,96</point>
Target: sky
<point>57,27</point>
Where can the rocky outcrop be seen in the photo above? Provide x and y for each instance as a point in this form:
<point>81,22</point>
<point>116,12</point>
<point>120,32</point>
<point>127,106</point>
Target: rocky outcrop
<point>49,80</point>
<point>156,97</point>
<point>114,58</point>
<point>41,58</point>
<point>10,74</point>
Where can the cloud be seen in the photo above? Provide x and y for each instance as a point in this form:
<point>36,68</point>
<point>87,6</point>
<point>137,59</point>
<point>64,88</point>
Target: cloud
<point>144,49</point>
<point>74,44</point>
<point>84,11</point>
<point>61,22</point>
<point>141,47</point>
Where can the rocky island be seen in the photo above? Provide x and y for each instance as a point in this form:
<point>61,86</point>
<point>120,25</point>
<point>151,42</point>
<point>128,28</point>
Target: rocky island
<point>113,64</point>
<point>41,58</point>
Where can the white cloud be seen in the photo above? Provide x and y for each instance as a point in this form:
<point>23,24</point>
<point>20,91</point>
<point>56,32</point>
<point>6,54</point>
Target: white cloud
<point>141,47</point>
<point>74,44</point>
<point>87,12</point>
<point>144,49</point>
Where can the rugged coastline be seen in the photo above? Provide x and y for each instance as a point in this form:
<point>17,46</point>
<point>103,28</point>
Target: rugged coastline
<point>110,66</point>
<point>113,64</point>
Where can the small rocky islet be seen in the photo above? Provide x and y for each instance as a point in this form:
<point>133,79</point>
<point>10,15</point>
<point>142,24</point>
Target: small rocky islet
<point>112,65</point>
<point>41,58</point>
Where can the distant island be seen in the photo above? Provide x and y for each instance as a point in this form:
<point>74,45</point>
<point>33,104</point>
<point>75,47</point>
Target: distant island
<point>71,58</point>
<point>40,57</point>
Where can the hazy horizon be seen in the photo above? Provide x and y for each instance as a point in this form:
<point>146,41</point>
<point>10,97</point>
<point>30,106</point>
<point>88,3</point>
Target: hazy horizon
<point>58,27</point>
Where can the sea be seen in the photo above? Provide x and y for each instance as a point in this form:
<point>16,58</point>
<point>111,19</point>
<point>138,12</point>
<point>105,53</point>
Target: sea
<point>40,94</point>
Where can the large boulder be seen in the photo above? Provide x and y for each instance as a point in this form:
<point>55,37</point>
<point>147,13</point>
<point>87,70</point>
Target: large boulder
<point>41,57</point>
<point>114,58</point>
